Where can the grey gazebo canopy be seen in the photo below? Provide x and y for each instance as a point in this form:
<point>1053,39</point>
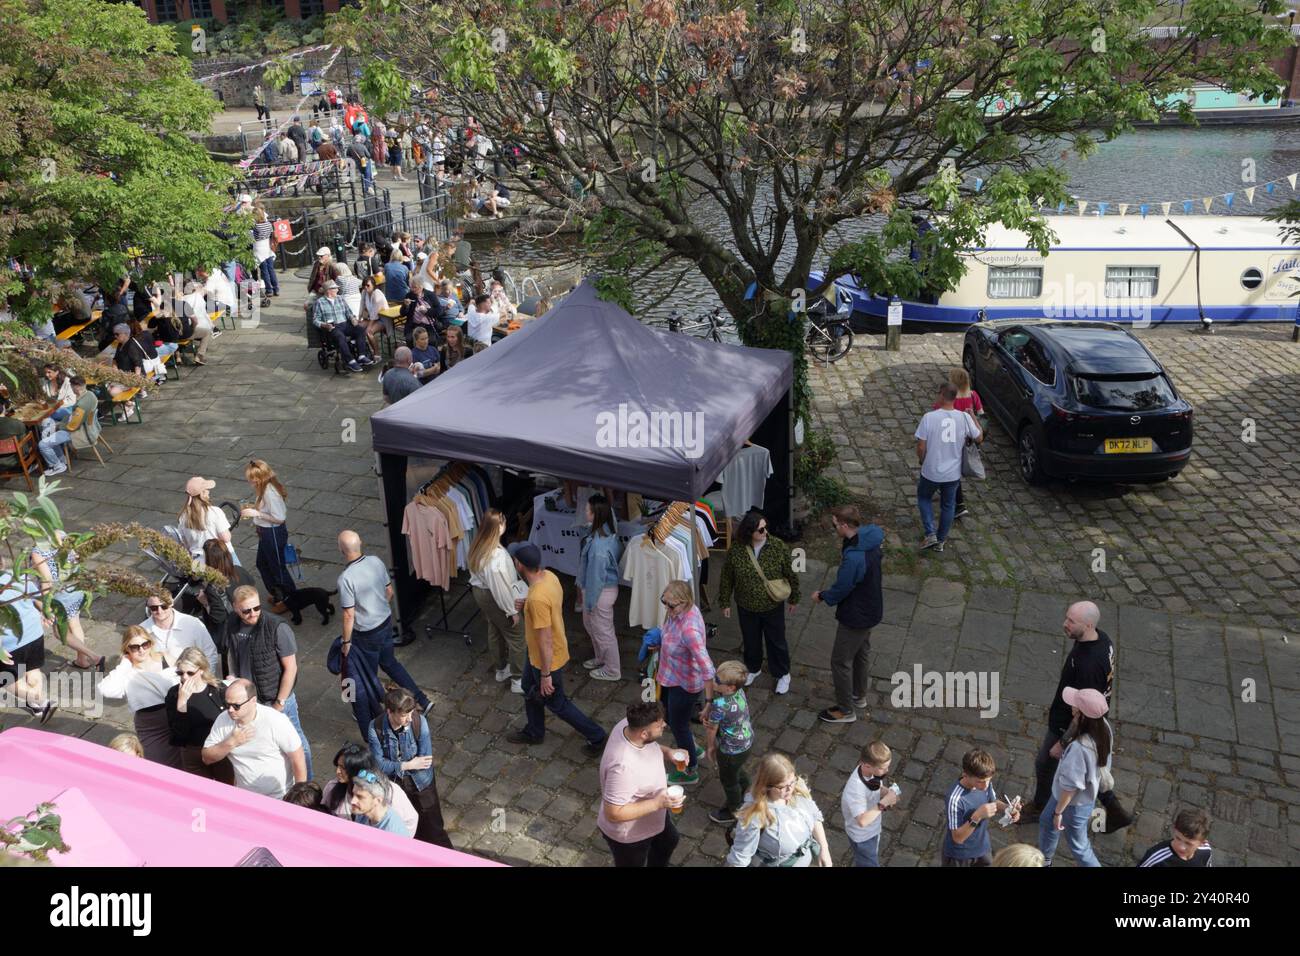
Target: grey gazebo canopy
<point>589,393</point>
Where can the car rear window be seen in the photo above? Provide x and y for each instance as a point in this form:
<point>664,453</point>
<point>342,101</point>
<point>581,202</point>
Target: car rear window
<point>1126,393</point>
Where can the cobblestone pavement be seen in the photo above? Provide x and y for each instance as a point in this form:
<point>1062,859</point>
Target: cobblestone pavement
<point>1184,735</point>
<point>1221,538</point>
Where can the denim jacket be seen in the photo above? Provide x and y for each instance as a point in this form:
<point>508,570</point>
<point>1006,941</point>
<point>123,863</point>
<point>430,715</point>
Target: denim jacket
<point>597,564</point>
<point>403,746</point>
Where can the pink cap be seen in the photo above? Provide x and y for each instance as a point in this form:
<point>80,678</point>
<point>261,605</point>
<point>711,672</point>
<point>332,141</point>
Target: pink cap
<point>196,486</point>
<point>1091,703</point>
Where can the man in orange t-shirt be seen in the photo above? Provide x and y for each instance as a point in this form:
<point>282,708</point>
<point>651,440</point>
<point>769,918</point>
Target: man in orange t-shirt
<point>548,652</point>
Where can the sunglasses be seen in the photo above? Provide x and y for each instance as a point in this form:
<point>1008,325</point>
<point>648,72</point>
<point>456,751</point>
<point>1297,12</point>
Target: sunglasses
<point>155,608</point>
<point>249,610</point>
<point>230,706</point>
<point>132,648</point>
<point>761,529</point>
<point>668,604</point>
<point>181,673</point>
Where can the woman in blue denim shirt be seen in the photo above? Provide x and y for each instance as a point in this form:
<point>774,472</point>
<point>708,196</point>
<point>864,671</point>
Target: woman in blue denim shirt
<point>401,742</point>
<point>598,587</point>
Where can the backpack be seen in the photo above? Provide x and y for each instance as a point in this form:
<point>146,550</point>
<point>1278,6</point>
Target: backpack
<point>383,737</point>
<point>317,137</point>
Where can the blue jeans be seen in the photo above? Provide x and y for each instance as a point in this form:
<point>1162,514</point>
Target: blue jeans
<point>52,450</point>
<point>379,642</point>
<point>167,348</point>
<point>866,853</point>
<point>925,489</point>
<point>267,266</point>
<point>270,559</point>
<point>535,706</point>
<point>291,711</point>
<point>678,707</point>
<point>1075,820</point>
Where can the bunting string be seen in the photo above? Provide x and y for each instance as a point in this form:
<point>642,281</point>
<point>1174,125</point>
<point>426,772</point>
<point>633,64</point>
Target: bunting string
<point>257,66</point>
<point>1187,206</point>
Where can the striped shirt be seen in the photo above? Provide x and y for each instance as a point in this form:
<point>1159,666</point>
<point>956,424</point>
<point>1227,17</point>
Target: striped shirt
<point>960,805</point>
<point>348,285</point>
<point>262,230</point>
<point>1162,854</point>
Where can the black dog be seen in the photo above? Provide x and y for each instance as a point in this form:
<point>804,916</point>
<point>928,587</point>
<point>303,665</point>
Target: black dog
<point>301,598</point>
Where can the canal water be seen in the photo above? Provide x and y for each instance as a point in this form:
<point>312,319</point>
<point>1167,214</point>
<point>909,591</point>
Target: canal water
<point>1154,165</point>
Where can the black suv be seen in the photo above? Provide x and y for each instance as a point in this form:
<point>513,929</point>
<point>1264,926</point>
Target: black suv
<point>1081,399</point>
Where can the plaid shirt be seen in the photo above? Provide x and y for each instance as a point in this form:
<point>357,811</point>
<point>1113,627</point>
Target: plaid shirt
<point>683,659</point>
<point>329,310</point>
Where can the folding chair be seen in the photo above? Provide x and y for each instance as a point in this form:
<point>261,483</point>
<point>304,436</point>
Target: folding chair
<point>25,458</point>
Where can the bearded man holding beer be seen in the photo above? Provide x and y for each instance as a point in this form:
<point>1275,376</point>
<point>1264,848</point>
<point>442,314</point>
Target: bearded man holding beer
<point>636,800</point>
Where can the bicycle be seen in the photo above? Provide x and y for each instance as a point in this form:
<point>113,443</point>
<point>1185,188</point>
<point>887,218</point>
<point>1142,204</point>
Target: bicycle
<point>829,337</point>
<point>708,326</point>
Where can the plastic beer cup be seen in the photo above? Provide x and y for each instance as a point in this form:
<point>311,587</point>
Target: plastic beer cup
<point>676,794</point>
<point>681,760</point>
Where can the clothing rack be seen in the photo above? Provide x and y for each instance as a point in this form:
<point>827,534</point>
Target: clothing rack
<point>447,476</point>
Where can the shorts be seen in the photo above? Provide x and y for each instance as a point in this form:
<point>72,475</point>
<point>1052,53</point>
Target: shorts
<point>30,657</point>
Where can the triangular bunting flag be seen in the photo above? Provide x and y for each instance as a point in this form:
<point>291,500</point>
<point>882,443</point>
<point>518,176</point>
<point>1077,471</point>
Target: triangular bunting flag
<point>1250,195</point>
<point>1060,207</point>
<point>1083,204</point>
<point>1144,209</point>
<point>1227,199</point>
<point>1101,208</point>
<point>1291,179</point>
<point>1164,208</point>
<point>1123,208</point>
<point>1187,207</point>
<point>979,184</point>
<point>1207,202</point>
<point>1268,188</point>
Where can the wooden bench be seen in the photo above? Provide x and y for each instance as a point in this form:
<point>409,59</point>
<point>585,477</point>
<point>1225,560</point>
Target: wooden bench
<point>120,400</point>
<point>73,331</point>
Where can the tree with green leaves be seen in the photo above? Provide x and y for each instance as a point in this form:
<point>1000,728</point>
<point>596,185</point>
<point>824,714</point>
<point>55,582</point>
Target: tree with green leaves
<point>733,137</point>
<point>83,559</point>
<point>97,166</point>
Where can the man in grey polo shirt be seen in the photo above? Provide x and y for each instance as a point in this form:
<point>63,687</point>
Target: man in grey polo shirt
<point>364,593</point>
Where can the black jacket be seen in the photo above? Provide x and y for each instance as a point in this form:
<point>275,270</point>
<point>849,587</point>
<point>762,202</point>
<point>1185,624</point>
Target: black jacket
<point>856,594</point>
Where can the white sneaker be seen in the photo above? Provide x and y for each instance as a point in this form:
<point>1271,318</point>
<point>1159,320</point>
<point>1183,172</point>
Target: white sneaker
<point>860,703</point>
<point>503,674</point>
<point>750,678</point>
<point>783,685</point>
<point>516,686</point>
<point>592,664</point>
<point>600,673</point>
<point>56,470</point>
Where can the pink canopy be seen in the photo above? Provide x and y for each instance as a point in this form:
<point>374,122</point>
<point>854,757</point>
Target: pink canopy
<point>122,811</point>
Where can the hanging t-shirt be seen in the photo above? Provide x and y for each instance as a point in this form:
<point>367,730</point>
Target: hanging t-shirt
<point>430,543</point>
<point>649,569</point>
<point>744,480</point>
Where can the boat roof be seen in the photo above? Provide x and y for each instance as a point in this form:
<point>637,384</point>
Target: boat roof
<point>1104,233</point>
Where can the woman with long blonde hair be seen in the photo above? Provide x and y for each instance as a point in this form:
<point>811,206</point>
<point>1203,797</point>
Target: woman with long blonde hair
<point>192,706</point>
<point>143,678</point>
<point>201,520</point>
<point>269,513</point>
<point>779,824</point>
<point>493,579</point>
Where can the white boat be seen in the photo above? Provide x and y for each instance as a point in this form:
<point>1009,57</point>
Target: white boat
<point>1155,270</point>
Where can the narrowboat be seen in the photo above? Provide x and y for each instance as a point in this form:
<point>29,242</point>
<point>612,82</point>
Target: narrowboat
<point>1127,269</point>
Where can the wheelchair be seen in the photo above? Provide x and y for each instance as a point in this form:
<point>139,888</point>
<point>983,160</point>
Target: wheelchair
<point>329,353</point>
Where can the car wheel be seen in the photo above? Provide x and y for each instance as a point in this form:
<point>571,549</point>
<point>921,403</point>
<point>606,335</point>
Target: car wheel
<point>968,363</point>
<point>1031,459</point>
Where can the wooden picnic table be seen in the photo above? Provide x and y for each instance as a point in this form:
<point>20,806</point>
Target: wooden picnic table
<point>33,414</point>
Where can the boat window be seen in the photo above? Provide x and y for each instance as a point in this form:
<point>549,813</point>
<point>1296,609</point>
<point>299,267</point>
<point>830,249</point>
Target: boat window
<point>1015,282</point>
<point>1037,362</point>
<point>1251,278</point>
<point>1132,282</point>
<point>1133,393</point>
